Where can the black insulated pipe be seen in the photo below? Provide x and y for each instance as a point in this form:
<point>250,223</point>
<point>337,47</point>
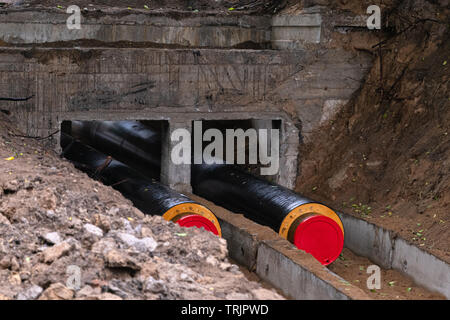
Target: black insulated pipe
<point>146,194</point>
<point>311,226</point>
<point>130,142</point>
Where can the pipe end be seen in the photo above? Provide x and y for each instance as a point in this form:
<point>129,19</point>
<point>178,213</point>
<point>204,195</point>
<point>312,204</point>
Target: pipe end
<point>321,237</point>
<point>194,220</point>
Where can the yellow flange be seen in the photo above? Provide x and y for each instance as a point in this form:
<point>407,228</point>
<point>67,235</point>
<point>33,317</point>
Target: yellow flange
<point>192,208</point>
<point>308,208</point>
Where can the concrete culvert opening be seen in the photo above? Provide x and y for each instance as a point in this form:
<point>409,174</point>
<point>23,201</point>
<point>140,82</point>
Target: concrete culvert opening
<point>239,142</point>
<point>126,155</point>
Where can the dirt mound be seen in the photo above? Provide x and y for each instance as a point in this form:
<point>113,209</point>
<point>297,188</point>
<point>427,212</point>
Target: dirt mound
<point>56,224</point>
<point>385,157</point>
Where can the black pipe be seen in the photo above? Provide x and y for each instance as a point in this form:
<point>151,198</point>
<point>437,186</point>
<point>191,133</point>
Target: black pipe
<point>130,142</point>
<point>311,226</point>
<point>146,194</point>
<point>259,200</point>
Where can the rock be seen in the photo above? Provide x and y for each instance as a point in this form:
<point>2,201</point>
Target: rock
<point>3,297</point>
<point>144,245</point>
<point>57,291</point>
<point>117,291</point>
<point>5,262</point>
<point>185,277</point>
<point>102,222</point>
<point>15,266</point>
<point>103,246</point>
<point>149,269</point>
<point>31,293</point>
<point>52,238</point>
<point>50,213</point>
<point>225,266</point>
<point>53,253</point>
<point>237,296</point>
<point>9,262</point>
<point>147,232</point>
<point>87,291</point>
<point>96,231</point>
<point>264,294</point>
<point>212,261</point>
<point>119,259</point>
<point>155,286</point>
<point>4,220</point>
<point>14,279</point>
<point>108,296</point>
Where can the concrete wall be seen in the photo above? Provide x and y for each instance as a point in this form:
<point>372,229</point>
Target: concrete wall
<point>385,248</point>
<point>176,85</point>
<point>192,30</point>
<point>143,79</point>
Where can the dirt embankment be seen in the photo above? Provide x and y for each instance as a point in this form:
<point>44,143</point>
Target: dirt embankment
<point>56,224</point>
<point>196,6</point>
<point>386,156</point>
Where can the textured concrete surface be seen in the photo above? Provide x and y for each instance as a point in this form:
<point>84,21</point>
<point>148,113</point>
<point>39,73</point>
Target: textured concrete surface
<point>292,32</point>
<point>49,86</point>
<point>22,27</point>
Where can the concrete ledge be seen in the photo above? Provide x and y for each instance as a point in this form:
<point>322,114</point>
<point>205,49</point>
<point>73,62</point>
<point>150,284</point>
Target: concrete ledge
<point>385,248</point>
<point>295,273</point>
<point>37,27</point>
<point>291,32</point>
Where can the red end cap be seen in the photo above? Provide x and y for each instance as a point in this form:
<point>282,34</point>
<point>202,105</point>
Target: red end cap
<point>195,220</point>
<point>321,237</point>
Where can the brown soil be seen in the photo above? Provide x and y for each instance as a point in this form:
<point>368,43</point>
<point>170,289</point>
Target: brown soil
<point>385,157</point>
<point>197,6</point>
<point>122,253</point>
<point>394,286</point>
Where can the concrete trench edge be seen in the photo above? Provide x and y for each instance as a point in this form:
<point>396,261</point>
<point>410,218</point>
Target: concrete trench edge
<point>386,248</point>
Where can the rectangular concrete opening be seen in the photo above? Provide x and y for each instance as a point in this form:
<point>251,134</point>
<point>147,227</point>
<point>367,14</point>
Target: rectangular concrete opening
<point>237,141</point>
<point>105,137</point>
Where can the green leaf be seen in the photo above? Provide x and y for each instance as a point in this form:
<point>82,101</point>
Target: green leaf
<point>230,9</point>
<point>181,234</point>
<point>146,7</point>
<point>391,283</point>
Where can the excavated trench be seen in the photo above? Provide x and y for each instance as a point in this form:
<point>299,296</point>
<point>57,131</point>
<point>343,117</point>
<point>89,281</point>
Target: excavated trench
<point>138,145</point>
<point>172,71</point>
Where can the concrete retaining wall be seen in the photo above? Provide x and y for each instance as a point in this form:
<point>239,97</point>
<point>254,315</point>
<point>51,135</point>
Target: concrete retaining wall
<point>385,248</point>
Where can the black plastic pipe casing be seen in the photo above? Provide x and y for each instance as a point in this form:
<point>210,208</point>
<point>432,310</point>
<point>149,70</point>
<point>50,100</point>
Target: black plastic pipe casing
<point>130,142</point>
<point>147,195</point>
<point>257,199</point>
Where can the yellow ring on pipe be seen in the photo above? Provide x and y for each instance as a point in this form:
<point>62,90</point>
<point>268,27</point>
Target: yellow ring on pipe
<point>192,208</point>
<point>314,208</point>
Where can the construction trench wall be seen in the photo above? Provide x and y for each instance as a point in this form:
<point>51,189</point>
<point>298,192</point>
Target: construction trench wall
<point>181,68</point>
